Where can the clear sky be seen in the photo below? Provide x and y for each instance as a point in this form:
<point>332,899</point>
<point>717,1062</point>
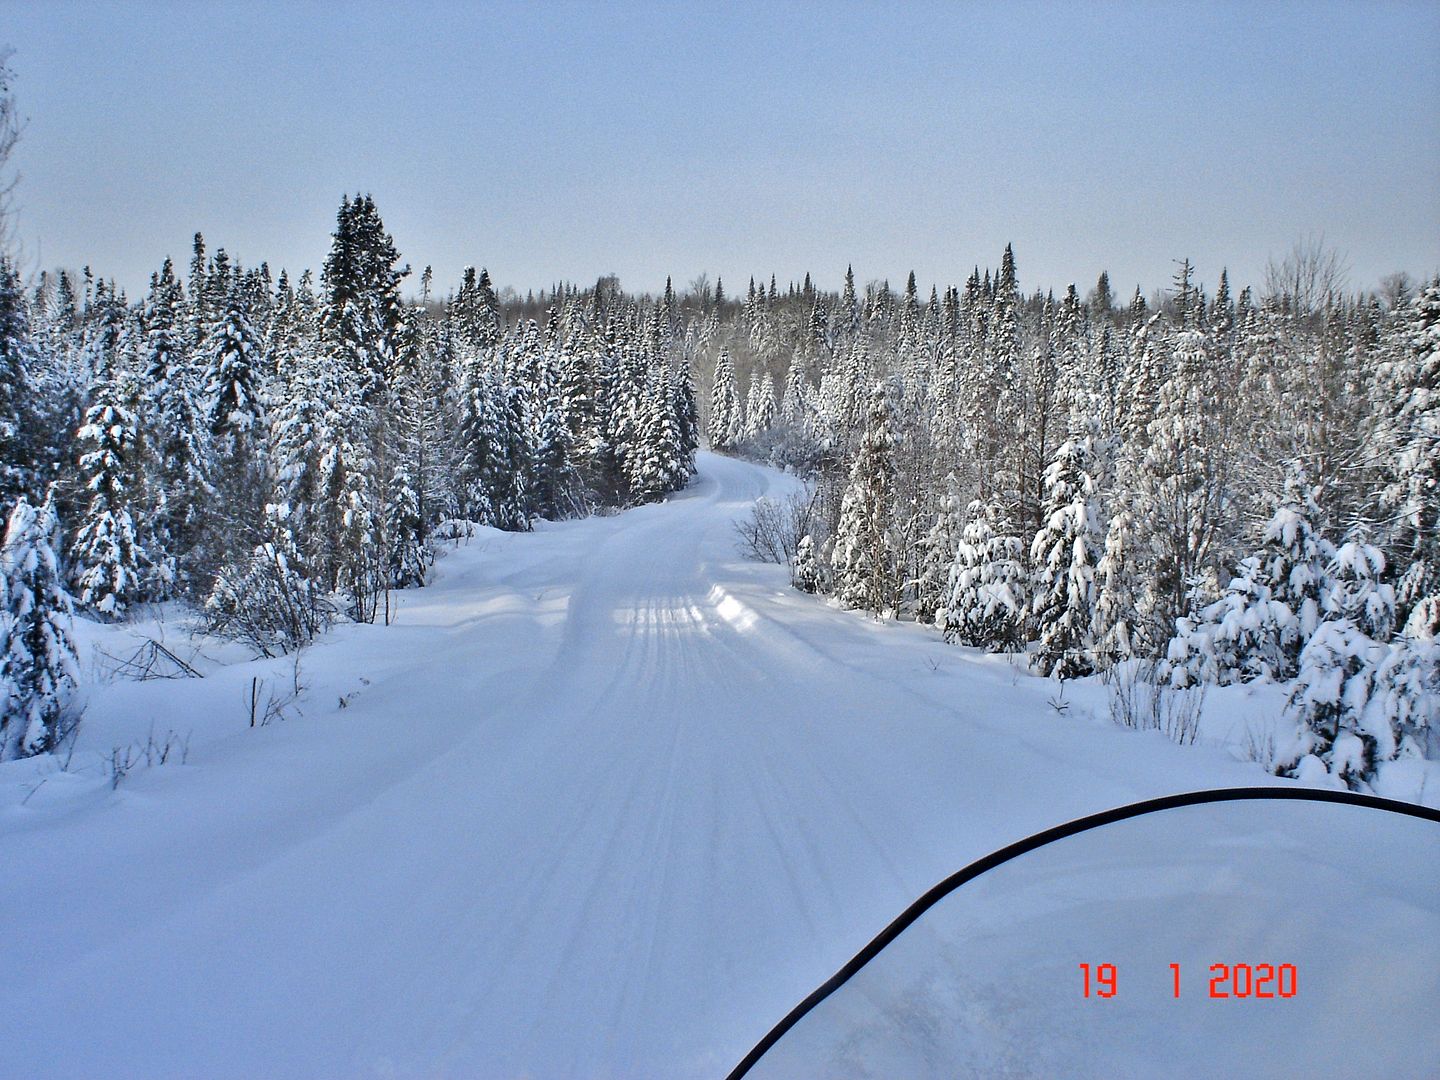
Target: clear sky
<point>553,140</point>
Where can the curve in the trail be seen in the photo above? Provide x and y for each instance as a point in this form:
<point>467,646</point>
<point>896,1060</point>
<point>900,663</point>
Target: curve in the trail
<point>609,802</point>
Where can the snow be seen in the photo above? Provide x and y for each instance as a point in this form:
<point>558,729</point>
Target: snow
<point>605,801</point>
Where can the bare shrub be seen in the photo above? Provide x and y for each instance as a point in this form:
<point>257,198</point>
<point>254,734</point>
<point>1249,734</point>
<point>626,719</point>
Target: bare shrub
<point>268,703</point>
<point>773,530</point>
<point>267,604</point>
<point>124,759</point>
<point>1140,702</point>
<point>152,660</point>
<point>1178,712</point>
<point>1260,748</point>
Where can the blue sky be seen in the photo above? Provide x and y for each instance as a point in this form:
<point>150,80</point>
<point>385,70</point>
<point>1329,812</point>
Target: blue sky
<point>555,140</point>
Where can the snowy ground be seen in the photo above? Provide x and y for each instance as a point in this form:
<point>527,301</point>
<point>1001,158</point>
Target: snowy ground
<point>606,801</point>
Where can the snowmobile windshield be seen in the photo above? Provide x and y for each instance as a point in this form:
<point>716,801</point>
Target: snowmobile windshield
<point>1258,932</point>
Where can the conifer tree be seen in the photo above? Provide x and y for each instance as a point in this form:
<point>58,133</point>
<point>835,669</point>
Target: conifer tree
<point>1270,609</point>
<point>1183,486</point>
<point>795,402</point>
<point>38,666</point>
<point>1293,557</point>
<point>849,306</point>
<point>1118,584</point>
<point>238,432</point>
<point>1338,667</point>
<point>1403,710</point>
<point>362,311</point>
<point>405,522</point>
<point>1410,435</point>
<point>1065,552</point>
<point>235,408</point>
<point>655,462</point>
<point>687,419</point>
<point>17,412</point>
<point>177,436</point>
<point>409,556</point>
<point>760,406</point>
<point>1356,590</point>
<point>726,417</point>
<point>805,573</point>
<point>299,437</point>
<point>986,604</point>
<point>865,560</point>
<point>938,554</point>
<point>482,442</point>
<point>109,564</point>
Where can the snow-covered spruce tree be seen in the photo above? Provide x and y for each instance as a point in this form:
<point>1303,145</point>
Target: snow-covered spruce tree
<point>239,432</point>
<point>1183,486</point>
<point>231,353</point>
<point>408,555</point>
<point>1118,586</point>
<point>1410,448</point>
<point>1269,610</point>
<point>986,604</point>
<point>1246,634</point>
<point>939,546</point>
<point>1064,554</point>
<point>511,471</point>
<point>482,448</point>
<point>360,318</point>
<point>864,559</point>
<point>57,380</point>
<point>726,415</point>
<point>17,423</point>
<point>1001,453</point>
<point>760,406</point>
<point>409,444</point>
<point>350,557</point>
<point>666,469</point>
<point>687,418</point>
<point>1330,697</point>
<point>805,573</point>
<point>475,312</point>
<point>557,485</point>
<point>177,487</point>
<point>1403,711</point>
<point>1332,692</point>
<point>299,437</point>
<point>1356,590</point>
<point>109,565</point>
<point>1293,559</point>
<point>38,668</point>
<point>362,312</point>
<point>795,402</point>
<point>575,401</point>
<point>626,412</point>
<point>359,565</point>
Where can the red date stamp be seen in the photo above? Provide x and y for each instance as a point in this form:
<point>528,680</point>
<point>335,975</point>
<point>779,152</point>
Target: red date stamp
<point>1226,980</point>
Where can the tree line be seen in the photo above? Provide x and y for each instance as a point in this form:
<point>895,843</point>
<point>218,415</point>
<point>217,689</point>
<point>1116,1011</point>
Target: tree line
<point>281,452</point>
<point>1218,487</point>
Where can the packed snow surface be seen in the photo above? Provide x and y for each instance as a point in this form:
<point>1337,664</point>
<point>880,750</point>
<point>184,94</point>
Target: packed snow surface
<point>605,801</point>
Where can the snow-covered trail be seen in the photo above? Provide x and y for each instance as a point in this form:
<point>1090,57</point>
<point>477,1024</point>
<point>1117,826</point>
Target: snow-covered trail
<point>606,802</point>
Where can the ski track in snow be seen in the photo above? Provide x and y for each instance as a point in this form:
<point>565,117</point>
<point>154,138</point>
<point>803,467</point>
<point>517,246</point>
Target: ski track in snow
<point>610,803</point>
